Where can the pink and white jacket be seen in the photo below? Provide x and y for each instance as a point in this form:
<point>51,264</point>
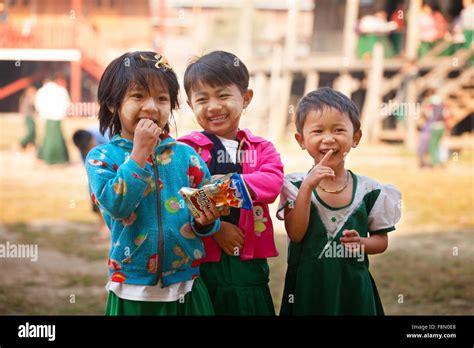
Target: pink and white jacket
<point>262,171</point>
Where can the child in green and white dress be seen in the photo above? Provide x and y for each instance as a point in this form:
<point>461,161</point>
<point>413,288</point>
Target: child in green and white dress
<point>333,217</point>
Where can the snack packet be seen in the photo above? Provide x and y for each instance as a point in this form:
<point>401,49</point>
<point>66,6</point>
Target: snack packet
<point>226,191</point>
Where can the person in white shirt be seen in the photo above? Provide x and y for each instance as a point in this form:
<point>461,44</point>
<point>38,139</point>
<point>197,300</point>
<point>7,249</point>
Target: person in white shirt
<point>52,102</point>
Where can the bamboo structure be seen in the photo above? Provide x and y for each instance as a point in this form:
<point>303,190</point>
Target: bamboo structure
<point>284,69</point>
<point>373,100</point>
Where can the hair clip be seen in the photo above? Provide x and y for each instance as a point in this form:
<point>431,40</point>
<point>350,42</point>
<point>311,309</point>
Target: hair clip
<point>161,62</point>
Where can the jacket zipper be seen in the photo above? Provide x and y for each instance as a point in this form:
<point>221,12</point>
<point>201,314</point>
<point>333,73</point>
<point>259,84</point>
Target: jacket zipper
<point>160,226</point>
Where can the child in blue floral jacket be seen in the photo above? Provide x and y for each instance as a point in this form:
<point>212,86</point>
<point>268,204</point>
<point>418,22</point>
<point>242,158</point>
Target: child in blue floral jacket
<point>156,250</point>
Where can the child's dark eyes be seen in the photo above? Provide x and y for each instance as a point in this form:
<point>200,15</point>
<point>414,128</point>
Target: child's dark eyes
<point>223,96</point>
<point>163,98</point>
<point>339,130</point>
<point>317,131</point>
<point>137,95</point>
<point>201,100</point>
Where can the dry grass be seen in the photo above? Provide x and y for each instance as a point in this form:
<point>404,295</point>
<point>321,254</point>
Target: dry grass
<point>49,206</point>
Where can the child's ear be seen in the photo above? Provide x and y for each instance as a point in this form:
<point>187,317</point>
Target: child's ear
<point>248,97</point>
<point>189,103</point>
<point>299,138</point>
<point>356,138</point>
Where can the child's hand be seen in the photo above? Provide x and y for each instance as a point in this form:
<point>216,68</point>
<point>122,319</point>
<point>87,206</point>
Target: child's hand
<point>208,217</point>
<point>146,135</point>
<point>145,139</point>
<point>230,238</point>
<point>319,172</point>
<point>351,240</point>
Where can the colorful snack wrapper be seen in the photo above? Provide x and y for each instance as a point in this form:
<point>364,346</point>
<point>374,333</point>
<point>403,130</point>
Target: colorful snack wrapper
<point>227,191</point>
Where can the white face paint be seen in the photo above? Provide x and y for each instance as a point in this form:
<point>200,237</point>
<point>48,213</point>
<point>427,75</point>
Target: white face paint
<point>139,103</point>
<point>218,109</point>
<point>325,131</point>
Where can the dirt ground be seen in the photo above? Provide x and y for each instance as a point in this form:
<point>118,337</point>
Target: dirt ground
<point>426,270</point>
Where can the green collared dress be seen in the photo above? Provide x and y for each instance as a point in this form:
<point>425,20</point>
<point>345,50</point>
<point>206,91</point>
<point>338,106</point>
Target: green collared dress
<point>322,278</point>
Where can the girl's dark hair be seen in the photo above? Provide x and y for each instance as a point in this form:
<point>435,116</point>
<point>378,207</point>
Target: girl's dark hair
<point>324,98</point>
<point>218,68</point>
<point>82,139</point>
<point>141,68</point>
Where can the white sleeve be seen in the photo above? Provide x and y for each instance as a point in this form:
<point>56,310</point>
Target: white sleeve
<point>288,196</point>
<point>386,211</point>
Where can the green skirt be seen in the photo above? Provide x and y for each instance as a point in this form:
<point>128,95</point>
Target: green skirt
<point>437,132</point>
<point>238,287</point>
<point>424,48</point>
<point>451,50</point>
<point>366,43</point>
<point>308,292</point>
<point>30,136</point>
<point>53,150</point>
<point>397,41</point>
<point>195,302</point>
<point>469,37</point>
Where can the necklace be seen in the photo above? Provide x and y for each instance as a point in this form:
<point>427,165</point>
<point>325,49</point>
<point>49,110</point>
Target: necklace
<point>338,190</point>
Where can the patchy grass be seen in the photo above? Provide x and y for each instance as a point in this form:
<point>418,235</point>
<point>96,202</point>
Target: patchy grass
<point>278,271</point>
<point>22,300</point>
<point>428,274</point>
<point>68,277</point>
<point>68,241</point>
<point>431,199</point>
<point>419,270</point>
<point>50,206</point>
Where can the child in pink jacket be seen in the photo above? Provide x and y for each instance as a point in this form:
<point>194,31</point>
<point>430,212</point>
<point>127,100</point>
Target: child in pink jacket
<point>235,267</point>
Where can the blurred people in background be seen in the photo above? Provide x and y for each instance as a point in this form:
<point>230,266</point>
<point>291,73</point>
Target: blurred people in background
<point>27,109</point>
<point>85,140</point>
<point>441,23</point>
<point>433,116</point>
<point>374,28</point>
<point>397,36</point>
<point>409,72</point>
<point>52,101</point>
<point>426,29</point>
<point>467,22</point>
<point>457,35</point>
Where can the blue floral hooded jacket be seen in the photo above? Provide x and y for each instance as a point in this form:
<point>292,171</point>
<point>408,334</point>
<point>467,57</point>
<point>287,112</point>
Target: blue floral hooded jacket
<point>152,231</point>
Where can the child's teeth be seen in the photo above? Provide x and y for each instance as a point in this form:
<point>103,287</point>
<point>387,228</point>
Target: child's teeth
<point>218,118</point>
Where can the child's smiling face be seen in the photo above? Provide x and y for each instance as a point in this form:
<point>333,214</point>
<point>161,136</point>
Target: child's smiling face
<point>139,103</point>
<point>328,130</point>
<point>218,109</point>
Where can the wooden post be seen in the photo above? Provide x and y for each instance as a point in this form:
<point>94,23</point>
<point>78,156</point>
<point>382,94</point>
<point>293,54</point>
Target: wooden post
<point>256,116</point>
<point>275,94</point>
<point>413,108</point>
<point>200,32</point>
<point>345,84</point>
<point>245,32</point>
<point>371,120</point>
<point>75,67</point>
<point>412,29</point>
<point>75,82</point>
<point>291,32</point>
<point>162,28</point>
<point>312,82</point>
<point>280,111</point>
<point>349,35</point>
